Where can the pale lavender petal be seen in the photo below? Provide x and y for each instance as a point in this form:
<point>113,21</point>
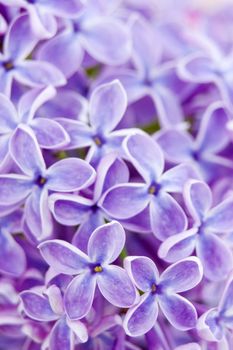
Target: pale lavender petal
<point>14,188</point>
<point>106,243</point>
<point>226,302</point>
<point>196,68</point>
<point>178,310</point>
<point>63,48</point>
<point>125,201</point>
<point>142,271</point>
<point>101,36</point>
<point>107,105</point>
<point>81,135</point>
<point>208,326</point>
<point>79,329</point>
<point>79,296</point>
<point>70,174</point>
<point>19,40</point>
<point>8,115</point>
<point>167,216</point>
<point>61,336</point>
<point>220,219</point>
<point>176,144</point>
<point>183,275</point>
<point>116,286</point>
<point>69,209</point>
<point>215,255</point>
<point>150,162</point>
<point>141,317</point>
<point>178,246</point>
<point>37,306</point>
<point>212,136</point>
<point>12,256</point>
<point>49,133</point>
<point>26,152</point>
<point>62,8</point>
<point>198,199</point>
<point>175,178</point>
<point>39,74</point>
<point>63,257</point>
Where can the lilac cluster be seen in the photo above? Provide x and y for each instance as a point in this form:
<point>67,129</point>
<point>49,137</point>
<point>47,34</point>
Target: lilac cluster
<point>116,175</point>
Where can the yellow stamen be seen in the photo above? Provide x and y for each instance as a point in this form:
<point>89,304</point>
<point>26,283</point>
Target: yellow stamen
<point>152,189</point>
<point>42,181</point>
<point>8,65</point>
<point>153,288</point>
<point>98,269</point>
<point>97,141</point>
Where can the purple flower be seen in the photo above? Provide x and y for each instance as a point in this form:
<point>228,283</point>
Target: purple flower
<point>104,246</point>
<point>42,12</point>
<point>163,291</point>
<point>93,31</point>
<point>212,137</point>
<point>205,234</point>
<point>127,200</point>
<point>33,184</point>
<point>73,210</point>
<point>107,106</point>
<point>18,43</point>
<point>48,307</point>
<point>49,133</point>
<point>215,324</point>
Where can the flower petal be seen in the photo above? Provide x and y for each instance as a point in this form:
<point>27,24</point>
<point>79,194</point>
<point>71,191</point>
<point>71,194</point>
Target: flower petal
<point>80,134</point>
<point>14,188</point>
<point>142,271</point>
<point>215,256</point>
<point>106,243</point>
<point>61,336</point>
<point>179,246</point>
<point>141,317</point>
<point>183,275</point>
<point>37,306</point>
<point>49,133</point>
<point>226,302</point>
<point>79,296</point>
<point>107,105</point>
<point>116,286</point>
<point>70,174</point>
<point>179,311</point>
<point>26,152</point>
<point>124,201</point>
<point>167,216</point>
<point>69,209</point>
<point>79,329</point>
<point>198,199</point>
<point>208,326</point>
<point>220,218</point>
<point>63,257</point>
<point>8,115</point>
<point>150,162</point>
<point>62,8</point>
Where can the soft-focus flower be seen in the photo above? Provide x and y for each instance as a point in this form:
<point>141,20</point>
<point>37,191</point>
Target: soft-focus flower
<point>104,247</point>
<point>163,291</point>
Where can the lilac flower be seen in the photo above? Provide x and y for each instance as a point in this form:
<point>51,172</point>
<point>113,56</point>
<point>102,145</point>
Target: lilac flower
<point>97,33</point>
<point>42,13</point>
<point>163,291</point>
<point>48,307</point>
<point>104,246</point>
<point>69,209</point>
<point>205,234</point>
<point>18,43</point>
<point>33,185</point>
<point>107,106</point>
<point>12,256</point>
<point>209,65</point>
<point>123,201</point>
<point>151,78</point>
<point>216,323</point>
<point>212,137</point>
<point>49,133</point>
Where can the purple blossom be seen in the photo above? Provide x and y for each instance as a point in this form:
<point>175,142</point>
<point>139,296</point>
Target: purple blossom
<point>33,184</point>
<point>163,291</point>
<point>104,247</point>
<point>166,215</point>
<point>205,233</point>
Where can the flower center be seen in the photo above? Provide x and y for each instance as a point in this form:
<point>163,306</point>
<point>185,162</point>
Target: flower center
<point>99,141</point>
<point>98,268</point>
<point>8,65</point>
<point>153,288</point>
<point>40,181</point>
<point>153,188</point>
